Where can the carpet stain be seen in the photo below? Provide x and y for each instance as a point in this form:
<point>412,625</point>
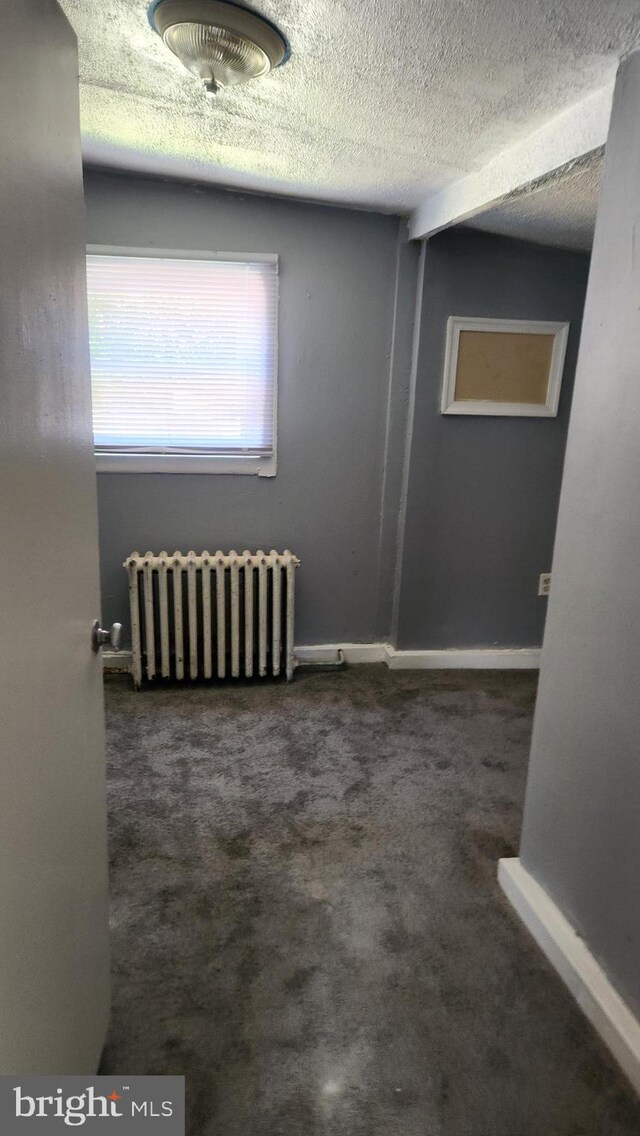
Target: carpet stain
<point>306,921</point>
<point>236,847</point>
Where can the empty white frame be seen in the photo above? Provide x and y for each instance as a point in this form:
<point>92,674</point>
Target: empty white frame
<point>503,367</point>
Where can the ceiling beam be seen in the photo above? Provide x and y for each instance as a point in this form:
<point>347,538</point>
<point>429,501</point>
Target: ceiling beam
<point>561,141</point>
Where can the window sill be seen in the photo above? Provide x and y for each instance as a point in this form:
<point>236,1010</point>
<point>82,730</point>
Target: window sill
<point>185,463</point>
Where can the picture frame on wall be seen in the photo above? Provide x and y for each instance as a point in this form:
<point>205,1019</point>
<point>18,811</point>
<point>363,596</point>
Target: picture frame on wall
<point>503,367</point>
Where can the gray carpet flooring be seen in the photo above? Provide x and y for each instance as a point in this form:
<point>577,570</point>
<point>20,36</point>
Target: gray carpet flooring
<point>306,920</point>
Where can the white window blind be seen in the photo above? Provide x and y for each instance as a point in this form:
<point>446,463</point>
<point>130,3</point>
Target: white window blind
<point>183,354</point>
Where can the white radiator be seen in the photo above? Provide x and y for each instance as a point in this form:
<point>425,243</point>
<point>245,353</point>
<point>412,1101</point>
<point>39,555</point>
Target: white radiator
<point>211,613</point>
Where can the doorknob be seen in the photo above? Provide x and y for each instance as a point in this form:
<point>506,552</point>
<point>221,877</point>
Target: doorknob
<point>99,637</point>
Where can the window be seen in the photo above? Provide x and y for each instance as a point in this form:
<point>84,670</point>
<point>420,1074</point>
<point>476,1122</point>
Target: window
<point>183,361</point>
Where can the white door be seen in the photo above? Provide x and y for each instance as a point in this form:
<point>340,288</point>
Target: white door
<point>54,987</point>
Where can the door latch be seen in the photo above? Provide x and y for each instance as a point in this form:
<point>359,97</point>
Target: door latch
<point>100,637</point>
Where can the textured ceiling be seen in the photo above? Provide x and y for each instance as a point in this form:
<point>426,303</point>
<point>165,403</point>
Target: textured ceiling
<point>561,211</point>
<point>380,103</point>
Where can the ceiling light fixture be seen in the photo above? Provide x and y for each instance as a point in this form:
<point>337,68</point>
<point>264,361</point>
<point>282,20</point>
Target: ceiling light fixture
<point>219,42</point>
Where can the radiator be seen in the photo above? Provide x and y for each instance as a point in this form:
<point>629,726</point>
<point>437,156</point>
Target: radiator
<point>200,615</point>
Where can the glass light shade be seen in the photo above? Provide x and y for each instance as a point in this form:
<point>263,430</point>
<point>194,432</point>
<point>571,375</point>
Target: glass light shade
<point>220,42</point>
<point>212,53</point>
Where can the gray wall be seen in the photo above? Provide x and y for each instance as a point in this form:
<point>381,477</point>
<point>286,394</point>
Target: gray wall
<point>581,836</point>
<point>482,493</point>
<point>338,283</point>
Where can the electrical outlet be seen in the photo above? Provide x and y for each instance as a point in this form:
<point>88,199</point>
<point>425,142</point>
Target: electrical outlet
<point>544,584</point>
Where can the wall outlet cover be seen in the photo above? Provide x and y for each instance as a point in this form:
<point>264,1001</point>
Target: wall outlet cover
<point>544,584</point>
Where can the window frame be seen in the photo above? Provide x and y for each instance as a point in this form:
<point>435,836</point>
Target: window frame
<point>262,466</point>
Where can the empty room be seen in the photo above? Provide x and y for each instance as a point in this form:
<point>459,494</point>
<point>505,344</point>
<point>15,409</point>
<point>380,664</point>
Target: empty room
<point>320,455</point>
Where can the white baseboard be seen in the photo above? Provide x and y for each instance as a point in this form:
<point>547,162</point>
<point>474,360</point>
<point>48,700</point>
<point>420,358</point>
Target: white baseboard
<point>116,660</point>
<point>568,953</point>
<point>331,654</point>
<point>334,653</point>
<point>525,658</point>
<point>327,654</point>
